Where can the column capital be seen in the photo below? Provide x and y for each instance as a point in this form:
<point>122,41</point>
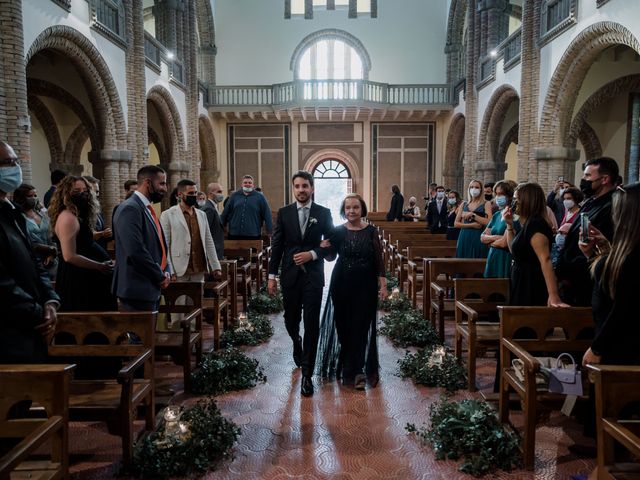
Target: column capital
<point>557,153</point>
<point>107,156</point>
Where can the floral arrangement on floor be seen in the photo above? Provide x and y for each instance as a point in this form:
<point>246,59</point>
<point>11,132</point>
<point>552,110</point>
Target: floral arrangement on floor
<point>392,282</point>
<point>396,301</point>
<point>433,366</point>
<point>263,303</point>
<point>470,429</point>
<point>408,328</point>
<point>226,370</point>
<point>188,442</point>
<point>252,329</point>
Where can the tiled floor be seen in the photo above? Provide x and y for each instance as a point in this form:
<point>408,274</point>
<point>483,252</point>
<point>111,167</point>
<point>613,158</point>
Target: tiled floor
<point>339,433</point>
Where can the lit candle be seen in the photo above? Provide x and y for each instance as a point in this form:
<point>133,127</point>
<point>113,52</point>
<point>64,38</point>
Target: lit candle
<point>171,418</point>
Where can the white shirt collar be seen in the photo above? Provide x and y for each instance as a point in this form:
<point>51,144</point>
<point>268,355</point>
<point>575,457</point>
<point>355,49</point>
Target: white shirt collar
<point>141,196</point>
<point>6,200</point>
<point>300,205</point>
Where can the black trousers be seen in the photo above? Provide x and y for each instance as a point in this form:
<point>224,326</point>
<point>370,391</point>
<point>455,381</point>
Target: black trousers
<point>303,300</point>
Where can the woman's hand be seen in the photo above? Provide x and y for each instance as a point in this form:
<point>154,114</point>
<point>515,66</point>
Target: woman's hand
<point>507,216</point>
<point>466,215</point>
<point>590,357</point>
<point>106,267</point>
<point>555,301</point>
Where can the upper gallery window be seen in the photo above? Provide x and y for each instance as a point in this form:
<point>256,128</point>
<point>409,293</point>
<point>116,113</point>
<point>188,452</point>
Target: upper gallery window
<point>330,59</point>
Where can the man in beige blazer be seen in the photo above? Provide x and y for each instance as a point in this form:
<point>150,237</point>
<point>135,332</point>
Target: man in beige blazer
<point>192,252</point>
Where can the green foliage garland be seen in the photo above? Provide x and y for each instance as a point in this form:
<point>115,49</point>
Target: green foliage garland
<point>470,429</point>
<point>263,303</point>
<point>211,439</point>
<point>450,374</point>
<point>401,303</point>
<point>392,282</point>
<point>226,370</point>
<point>407,328</point>
<point>258,331</point>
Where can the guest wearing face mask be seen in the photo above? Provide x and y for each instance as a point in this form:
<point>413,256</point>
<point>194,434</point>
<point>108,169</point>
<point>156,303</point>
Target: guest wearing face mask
<point>472,219</point>
<point>453,203</point>
<point>437,212</point>
<point>215,197</point>
<point>412,212</point>
<point>499,258</point>
<point>39,228</point>
<point>246,212</point>
<point>85,269</point>
<point>554,199</point>
<point>202,199</point>
<point>488,195</point>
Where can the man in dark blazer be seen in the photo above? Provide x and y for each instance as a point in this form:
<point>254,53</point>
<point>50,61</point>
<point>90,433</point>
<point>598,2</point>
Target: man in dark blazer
<point>27,301</point>
<point>142,269</point>
<point>210,207</point>
<point>296,243</point>
<point>397,204</point>
<point>437,212</point>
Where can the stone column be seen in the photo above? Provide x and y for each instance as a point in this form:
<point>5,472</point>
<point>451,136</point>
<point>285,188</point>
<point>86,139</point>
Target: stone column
<point>471,97</point>
<point>190,60</point>
<point>15,124</point>
<point>555,162</point>
<point>633,150</point>
<point>106,166</point>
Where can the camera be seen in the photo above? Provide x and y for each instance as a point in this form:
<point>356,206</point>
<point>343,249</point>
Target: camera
<point>584,225</point>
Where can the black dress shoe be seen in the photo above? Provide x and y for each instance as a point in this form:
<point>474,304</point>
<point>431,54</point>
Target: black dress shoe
<point>297,351</point>
<point>306,387</point>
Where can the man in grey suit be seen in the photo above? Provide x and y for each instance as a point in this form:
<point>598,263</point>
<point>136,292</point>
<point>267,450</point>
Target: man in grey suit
<point>142,269</point>
<point>210,207</point>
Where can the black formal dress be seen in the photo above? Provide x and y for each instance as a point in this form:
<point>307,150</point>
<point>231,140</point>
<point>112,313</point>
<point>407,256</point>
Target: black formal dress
<point>395,209</point>
<point>452,232</point>
<point>84,289</point>
<point>528,287</point>
<point>351,308</point>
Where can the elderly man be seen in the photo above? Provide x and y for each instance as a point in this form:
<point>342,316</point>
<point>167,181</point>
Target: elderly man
<point>29,304</point>
<point>246,211</point>
<point>210,207</point>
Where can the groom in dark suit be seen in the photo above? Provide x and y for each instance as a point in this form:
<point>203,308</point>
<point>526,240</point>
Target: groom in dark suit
<point>296,243</point>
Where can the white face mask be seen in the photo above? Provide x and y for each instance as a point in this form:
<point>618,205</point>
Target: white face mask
<point>560,238</point>
<point>439,195</point>
<point>201,203</point>
<point>568,204</point>
<point>474,192</point>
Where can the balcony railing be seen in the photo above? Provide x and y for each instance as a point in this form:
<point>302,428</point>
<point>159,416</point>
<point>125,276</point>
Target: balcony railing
<point>512,47</point>
<point>555,17</point>
<point>487,68</point>
<point>153,50</point>
<point>177,71</point>
<point>326,92</point>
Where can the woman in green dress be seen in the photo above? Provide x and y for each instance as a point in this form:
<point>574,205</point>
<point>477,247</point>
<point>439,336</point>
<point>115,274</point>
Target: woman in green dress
<point>473,217</point>
<point>499,258</point>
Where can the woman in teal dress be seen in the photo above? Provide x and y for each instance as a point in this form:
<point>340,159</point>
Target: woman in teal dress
<point>472,219</point>
<point>499,258</point>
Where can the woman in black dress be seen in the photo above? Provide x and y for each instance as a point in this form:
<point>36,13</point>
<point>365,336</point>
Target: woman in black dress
<point>85,269</point>
<point>397,202</point>
<point>532,279</point>
<point>453,202</point>
<point>358,280</point>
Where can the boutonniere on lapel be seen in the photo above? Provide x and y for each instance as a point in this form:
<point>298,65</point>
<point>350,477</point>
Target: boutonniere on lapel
<point>311,221</point>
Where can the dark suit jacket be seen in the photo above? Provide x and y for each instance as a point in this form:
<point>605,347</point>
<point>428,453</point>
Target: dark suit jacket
<point>437,220</point>
<point>215,225</point>
<point>23,292</point>
<point>138,253</point>
<point>288,240</point>
<point>395,211</point>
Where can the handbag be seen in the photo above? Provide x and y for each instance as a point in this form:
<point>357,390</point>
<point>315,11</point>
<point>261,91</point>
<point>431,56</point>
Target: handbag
<point>565,379</point>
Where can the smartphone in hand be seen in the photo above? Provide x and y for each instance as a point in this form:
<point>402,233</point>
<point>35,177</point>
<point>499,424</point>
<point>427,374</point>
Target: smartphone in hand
<point>584,225</point>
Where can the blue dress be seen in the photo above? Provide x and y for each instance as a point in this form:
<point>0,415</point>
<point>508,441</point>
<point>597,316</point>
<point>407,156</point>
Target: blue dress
<point>499,259</point>
<point>469,244</point>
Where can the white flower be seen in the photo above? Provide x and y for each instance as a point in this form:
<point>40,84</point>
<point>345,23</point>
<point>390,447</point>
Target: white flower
<point>311,221</point>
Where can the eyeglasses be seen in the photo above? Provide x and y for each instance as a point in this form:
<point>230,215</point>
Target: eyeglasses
<point>619,187</point>
<point>9,162</point>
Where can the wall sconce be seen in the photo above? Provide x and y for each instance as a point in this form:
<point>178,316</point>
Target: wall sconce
<point>24,123</point>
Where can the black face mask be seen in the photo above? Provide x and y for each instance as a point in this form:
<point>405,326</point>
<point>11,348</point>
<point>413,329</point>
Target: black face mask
<point>190,200</point>
<point>81,200</point>
<point>514,207</point>
<point>587,187</point>
<point>488,197</point>
<point>154,195</point>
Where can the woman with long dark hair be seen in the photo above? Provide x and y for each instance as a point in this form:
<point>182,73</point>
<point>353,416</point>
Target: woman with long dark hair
<point>472,218</point>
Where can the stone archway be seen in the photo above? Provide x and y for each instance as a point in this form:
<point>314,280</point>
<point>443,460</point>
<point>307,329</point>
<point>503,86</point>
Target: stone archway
<point>487,168</point>
<point>510,137</point>
<point>454,49</point>
<point>334,153</point>
<point>453,172</point>
<point>590,142</point>
<point>209,171</point>
<point>49,127</point>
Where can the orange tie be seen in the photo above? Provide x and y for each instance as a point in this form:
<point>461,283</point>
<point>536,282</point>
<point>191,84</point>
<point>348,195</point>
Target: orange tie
<point>163,263</point>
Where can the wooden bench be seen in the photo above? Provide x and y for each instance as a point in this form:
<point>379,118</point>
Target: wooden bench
<point>256,258</point>
<point>128,335</point>
<point>437,297</point>
<point>216,303</point>
<point>617,390</point>
<point>477,321</point>
<point>243,275</point>
<point>534,329</point>
<point>184,299</point>
<point>415,255</point>
<point>48,386</point>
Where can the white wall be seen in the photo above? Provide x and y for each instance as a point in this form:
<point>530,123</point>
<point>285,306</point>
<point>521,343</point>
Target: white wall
<point>405,43</point>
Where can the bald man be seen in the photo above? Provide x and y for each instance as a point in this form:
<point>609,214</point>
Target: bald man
<point>210,207</point>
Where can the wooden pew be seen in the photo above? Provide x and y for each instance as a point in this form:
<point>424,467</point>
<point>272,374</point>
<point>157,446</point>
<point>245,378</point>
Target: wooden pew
<point>185,299</point>
<point>112,400</point>
<point>540,323</point>
<point>48,386</point>
<point>437,299</point>
<point>257,265</point>
<point>232,275</point>
<point>617,389</point>
<point>216,303</point>
<point>243,277</point>
<point>415,255</point>
<point>476,313</point>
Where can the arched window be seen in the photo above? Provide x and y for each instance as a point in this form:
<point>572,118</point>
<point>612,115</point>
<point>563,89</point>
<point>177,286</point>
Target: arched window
<point>331,169</point>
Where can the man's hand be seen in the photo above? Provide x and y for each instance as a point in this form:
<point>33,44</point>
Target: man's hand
<point>107,232</point>
<point>50,316</point>
<point>272,287</point>
<point>590,357</point>
<point>217,275</point>
<point>167,279</point>
<point>302,258</point>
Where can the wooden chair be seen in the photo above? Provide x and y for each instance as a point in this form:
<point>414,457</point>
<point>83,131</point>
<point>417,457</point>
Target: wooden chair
<point>128,335</point>
<point>617,390</point>
<point>184,299</point>
<point>256,258</point>
<point>48,386</point>
<point>437,298</point>
<point>532,329</point>
<point>216,304</point>
<point>476,313</point>
<point>243,276</point>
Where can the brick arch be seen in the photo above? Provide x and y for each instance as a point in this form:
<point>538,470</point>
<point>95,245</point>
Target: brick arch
<point>207,47</point>
<point>42,88</point>
<point>49,127</point>
<point>316,158</point>
<point>154,139</point>
<point>75,144</point>
<point>629,83</point>
<point>510,137</point>
<point>161,98</point>
<point>455,40</point>
<point>570,73</point>
<point>93,70</point>
<point>590,142</point>
<point>209,166</point>
<point>492,124</point>
<point>453,172</point>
